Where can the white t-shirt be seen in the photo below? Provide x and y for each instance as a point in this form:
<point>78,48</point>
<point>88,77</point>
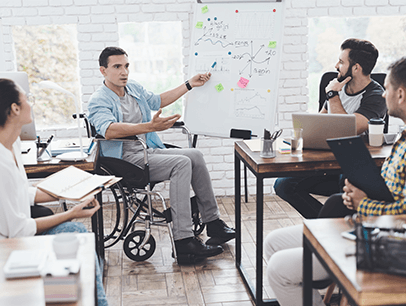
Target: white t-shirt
<point>16,196</point>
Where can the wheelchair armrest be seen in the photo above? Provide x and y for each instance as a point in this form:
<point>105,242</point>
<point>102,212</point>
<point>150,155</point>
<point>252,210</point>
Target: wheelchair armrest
<point>178,124</point>
<point>128,138</point>
<point>133,137</point>
<point>185,130</point>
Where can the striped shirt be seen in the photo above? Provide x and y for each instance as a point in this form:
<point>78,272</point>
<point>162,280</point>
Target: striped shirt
<point>394,173</point>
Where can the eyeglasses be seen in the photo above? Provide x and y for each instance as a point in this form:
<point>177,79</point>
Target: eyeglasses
<point>31,100</point>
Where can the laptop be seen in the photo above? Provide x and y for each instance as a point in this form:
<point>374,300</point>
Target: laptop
<point>28,131</point>
<point>319,127</point>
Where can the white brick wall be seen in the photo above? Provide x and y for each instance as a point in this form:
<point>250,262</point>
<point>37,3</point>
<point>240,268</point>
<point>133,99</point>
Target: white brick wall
<point>97,28</point>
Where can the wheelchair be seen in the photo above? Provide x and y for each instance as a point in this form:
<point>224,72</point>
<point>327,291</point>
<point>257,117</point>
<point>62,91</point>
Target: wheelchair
<point>130,202</point>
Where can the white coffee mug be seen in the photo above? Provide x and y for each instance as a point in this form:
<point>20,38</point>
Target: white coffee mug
<point>66,245</point>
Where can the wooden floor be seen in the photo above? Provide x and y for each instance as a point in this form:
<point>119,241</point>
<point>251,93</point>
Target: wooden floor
<point>215,281</point>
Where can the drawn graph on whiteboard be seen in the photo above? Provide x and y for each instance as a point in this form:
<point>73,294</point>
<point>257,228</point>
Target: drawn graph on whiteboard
<point>250,104</point>
<point>253,25</point>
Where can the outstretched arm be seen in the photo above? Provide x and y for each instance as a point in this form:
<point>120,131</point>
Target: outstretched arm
<point>120,129</point>
<point>170,96</point>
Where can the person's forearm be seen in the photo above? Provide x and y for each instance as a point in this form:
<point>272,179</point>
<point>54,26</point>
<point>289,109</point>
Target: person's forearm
<point>368,207</point>
<point>43,197</point>
<point>46,223</point>
<point>335,106</point>
<point>170,96</point>
<point>120,130</point>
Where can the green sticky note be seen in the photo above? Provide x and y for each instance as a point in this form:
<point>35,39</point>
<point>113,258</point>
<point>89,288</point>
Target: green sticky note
<point>219,87</point>
<point>205,9</point>
<point>272,44</point>
<point>199,25</point>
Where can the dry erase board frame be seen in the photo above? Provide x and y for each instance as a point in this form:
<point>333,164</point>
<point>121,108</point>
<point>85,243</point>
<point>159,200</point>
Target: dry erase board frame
<point>245,40</point>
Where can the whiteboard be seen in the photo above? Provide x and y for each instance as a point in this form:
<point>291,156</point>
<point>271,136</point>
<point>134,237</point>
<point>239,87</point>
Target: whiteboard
<point>245,40</point>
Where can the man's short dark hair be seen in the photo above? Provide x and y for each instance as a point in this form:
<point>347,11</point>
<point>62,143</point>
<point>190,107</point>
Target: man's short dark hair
<point>398,73</point>
<point>362,52</point>
<point>107,52</point>
<point>9,94</point>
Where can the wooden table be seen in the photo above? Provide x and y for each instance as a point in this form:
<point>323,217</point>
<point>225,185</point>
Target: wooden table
<point>312,162</point>
<point>41,169</point>
<point>30,291</point>
<point>323,238</point>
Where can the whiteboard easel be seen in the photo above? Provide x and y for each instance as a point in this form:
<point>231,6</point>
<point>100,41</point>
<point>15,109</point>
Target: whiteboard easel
<point>245,40</point>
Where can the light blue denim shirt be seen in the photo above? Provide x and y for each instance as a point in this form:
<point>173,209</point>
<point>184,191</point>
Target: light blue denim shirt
<point>104,108</point>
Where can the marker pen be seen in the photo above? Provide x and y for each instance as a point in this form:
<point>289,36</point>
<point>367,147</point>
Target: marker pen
<point>211,68</point>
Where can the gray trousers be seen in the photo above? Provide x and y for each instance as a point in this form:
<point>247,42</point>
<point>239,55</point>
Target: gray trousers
<point>183,167</point>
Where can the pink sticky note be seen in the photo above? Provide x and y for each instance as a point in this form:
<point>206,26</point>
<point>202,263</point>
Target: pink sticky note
<point>242,82</point>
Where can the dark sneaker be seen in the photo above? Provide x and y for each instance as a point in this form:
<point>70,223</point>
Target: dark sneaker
<point>219,232</point>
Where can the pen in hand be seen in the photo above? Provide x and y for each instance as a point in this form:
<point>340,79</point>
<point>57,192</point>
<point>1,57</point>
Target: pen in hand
<point>211,68</point>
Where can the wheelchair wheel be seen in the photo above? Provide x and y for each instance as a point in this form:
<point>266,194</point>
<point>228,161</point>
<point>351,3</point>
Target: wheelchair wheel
<point>198,226</point>
<point>115,213</point>
<point>133,241</point>
<point>197,223</point>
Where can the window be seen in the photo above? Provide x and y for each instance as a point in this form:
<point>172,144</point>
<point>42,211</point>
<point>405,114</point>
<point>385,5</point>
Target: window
<point>155,53</point>
<point>326,35</point>
<point>49,52</point>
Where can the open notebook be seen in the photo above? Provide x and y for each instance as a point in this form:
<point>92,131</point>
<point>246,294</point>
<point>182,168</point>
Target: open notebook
<point>72,183</point>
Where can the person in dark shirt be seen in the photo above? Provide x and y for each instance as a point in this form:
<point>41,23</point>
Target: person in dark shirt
<point>352,92</point>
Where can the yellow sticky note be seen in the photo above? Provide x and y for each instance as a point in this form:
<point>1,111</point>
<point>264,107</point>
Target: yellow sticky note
<point>272,44</point>
<point>219,87</point>
<point>199,25</point>
<point>205,9</point>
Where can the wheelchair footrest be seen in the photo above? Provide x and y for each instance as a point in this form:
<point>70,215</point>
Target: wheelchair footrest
<point>188,259</point>
<point>168,215</point>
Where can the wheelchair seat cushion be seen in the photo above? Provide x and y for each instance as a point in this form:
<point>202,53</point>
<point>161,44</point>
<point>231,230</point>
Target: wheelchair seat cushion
<point>132,175</point>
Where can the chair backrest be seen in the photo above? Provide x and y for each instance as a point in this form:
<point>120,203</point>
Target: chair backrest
<point>330,75</point>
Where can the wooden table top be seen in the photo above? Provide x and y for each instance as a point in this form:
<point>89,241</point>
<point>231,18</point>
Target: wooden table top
<point>311,161</point>
<point>35,168</point>
<point>366,288</point>
<point>30,291</point>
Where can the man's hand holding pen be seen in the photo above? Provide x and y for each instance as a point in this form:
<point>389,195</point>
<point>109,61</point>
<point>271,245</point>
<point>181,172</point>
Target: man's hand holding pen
<point>199,79</point>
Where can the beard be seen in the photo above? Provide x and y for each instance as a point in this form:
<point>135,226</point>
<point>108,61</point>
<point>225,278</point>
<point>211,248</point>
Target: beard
<point>348,74</point>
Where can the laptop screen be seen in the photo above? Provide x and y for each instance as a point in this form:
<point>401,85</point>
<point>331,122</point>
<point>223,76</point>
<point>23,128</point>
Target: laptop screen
<point>28,131</point>
<point>317,128</point>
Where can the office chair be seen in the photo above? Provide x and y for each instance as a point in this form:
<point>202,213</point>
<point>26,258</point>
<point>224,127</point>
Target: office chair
<point>330,75</point>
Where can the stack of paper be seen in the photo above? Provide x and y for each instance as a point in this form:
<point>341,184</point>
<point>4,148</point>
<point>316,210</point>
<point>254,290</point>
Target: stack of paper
<point>61,281</point>
<point>25,263</point>
<point>72,145</point>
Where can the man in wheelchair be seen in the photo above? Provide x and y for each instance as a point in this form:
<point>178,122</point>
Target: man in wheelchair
<point>122,108</point>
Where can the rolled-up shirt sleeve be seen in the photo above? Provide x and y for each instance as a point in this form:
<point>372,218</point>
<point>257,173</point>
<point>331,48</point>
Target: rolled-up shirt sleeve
<point>100,117</point>
<point>32,191</point>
